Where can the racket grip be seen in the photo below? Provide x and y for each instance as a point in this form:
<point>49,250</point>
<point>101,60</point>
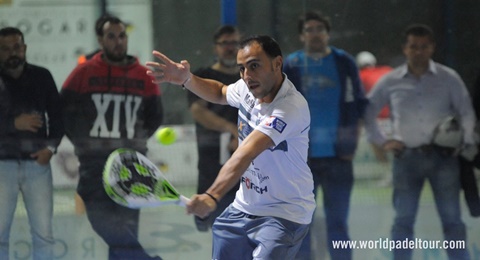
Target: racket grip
<point>183,201</point>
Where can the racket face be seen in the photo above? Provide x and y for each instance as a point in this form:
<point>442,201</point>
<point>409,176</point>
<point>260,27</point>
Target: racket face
<point>133,181</point>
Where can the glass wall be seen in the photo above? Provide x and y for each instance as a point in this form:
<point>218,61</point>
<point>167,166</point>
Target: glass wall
<point>57,32</point>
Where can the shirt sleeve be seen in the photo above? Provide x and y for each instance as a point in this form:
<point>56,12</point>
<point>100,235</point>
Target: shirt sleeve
<point>462,104</point>
<point>285,121</point>
<point>234,91</point>
<point>377,99</point>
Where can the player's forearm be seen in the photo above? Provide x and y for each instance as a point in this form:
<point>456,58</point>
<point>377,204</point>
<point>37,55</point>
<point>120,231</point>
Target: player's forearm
<point>254,144</point>
<point>208,89</point>
<point>229,175</point>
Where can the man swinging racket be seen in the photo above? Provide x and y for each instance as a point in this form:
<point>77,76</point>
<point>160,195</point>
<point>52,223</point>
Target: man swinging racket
<point>273,207</point>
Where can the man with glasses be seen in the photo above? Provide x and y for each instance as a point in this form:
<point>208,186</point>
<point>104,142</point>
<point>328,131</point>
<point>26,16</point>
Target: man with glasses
<point>329,79</point>
<point>216,125</point>
<point>30,130</point>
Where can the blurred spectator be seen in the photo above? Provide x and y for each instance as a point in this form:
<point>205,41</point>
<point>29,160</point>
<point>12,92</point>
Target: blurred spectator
<point>421,94</point>
<point>31,128</point>
<point>110,102</point>
<point>370,73</point>
<point>216,125</point>
<point>328,78</point>
<point>467,168</point>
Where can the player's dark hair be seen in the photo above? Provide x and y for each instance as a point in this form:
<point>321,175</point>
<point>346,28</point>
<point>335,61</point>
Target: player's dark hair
<point>268,44</point>
<point>7,31</point>
<point>222,30</point>
<point>313,15</point>
<point>420,30</point>
<point>103,20</point>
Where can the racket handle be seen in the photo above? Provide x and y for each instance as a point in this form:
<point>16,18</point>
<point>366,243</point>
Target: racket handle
<point>183,201</point>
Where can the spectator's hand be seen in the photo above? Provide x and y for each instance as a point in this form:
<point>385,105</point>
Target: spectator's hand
<point>201,205</point>
<point>28,122</point>
<point>394,146</point>
<point>469,152</point>
<point>168,70</point>
<point>42,156</point>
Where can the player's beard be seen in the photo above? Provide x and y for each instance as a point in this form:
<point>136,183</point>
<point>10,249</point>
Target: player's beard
<point>13,63</point>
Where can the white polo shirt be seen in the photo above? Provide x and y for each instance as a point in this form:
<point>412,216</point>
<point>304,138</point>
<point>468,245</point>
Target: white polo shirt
<point>278,182</point>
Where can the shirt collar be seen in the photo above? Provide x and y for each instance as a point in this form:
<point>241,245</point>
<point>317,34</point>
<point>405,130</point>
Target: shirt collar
<point>431,68</point>
<point>283,88</point>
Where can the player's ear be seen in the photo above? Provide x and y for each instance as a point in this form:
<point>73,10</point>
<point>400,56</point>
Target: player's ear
<point>278,62</point>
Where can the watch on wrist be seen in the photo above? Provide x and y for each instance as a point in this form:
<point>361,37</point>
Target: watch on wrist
<point>52,149</point>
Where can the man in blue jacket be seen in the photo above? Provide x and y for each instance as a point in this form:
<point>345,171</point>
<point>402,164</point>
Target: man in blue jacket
<point>328,78</point>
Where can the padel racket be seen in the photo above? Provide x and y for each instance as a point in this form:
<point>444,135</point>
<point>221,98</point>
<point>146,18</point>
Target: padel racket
<point>132,180</point>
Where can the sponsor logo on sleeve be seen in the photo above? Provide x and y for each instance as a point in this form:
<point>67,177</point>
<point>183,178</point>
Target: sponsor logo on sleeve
<point>276,123</point>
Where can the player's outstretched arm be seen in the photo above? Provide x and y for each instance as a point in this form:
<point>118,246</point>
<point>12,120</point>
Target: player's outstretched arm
<point>179,73</point>
<point>168,70</point>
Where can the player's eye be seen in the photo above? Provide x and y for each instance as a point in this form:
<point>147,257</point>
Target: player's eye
<point>253,66</point>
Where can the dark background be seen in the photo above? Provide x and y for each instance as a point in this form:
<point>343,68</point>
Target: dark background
<point>183,30</point>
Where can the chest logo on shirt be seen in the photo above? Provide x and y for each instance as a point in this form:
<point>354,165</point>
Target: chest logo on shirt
<point>276,123</point>
<point>253,179</point>
<point>121,103</point>
<point>250,185</point>
<point>244,129</point>
<point>250,101</point>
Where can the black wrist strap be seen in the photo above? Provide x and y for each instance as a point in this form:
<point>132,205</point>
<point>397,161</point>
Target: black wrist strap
<point>211,196</point>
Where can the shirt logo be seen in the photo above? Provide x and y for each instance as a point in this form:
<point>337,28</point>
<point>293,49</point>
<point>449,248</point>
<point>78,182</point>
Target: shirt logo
<point>253,186</point>
<point>276,123</point>
<point>124,107</point>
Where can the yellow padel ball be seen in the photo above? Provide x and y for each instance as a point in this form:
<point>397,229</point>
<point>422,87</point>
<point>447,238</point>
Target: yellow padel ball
<point>166,136</point>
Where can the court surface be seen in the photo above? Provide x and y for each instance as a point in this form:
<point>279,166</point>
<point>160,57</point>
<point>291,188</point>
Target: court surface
<point>170,233</point>
<point>167,231</point>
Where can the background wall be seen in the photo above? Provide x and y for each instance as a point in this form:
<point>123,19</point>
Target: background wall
<point>183,29</point>
<point>58,31</point>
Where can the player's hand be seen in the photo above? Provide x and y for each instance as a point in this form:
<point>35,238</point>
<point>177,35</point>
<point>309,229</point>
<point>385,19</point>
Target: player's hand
<point>42,156</point>
<point>201,205</point>
<point>168,70</point>
<point>28,122</point>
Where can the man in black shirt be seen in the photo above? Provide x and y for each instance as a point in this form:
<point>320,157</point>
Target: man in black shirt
<point>30,130</point>
<point>215,122</point>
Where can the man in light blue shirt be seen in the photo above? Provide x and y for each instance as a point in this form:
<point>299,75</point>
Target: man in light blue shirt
<point>421,93</point>
<point>328,78</point>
